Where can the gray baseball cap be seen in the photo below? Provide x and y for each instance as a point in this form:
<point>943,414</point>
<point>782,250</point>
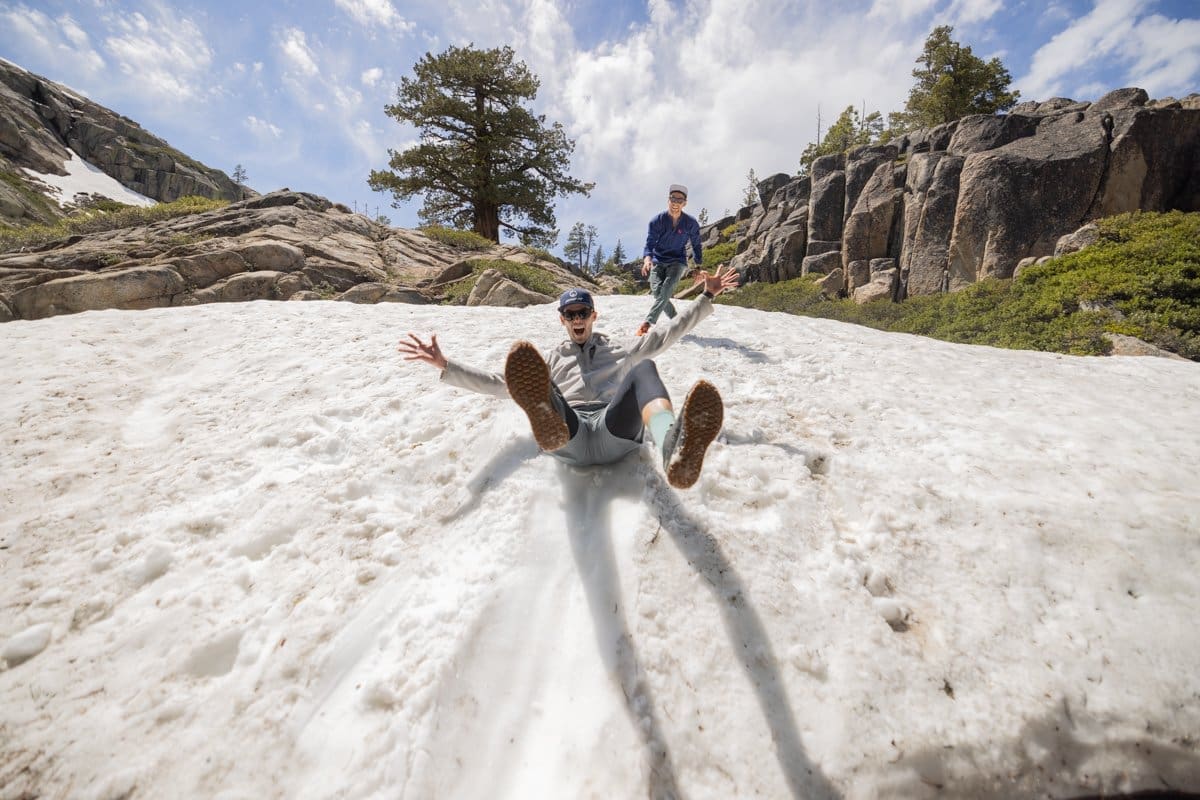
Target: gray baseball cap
<point>677,187</point>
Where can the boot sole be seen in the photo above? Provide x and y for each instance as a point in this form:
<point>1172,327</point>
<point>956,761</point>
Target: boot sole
<point>701,417</point>
<point>528,380</point>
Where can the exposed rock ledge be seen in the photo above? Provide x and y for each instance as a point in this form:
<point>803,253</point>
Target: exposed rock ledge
<point>281,246</point>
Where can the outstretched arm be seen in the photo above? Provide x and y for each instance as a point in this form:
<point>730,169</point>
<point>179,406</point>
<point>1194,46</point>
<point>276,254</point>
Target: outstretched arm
<point>453,373</point>
<point>416,350</point>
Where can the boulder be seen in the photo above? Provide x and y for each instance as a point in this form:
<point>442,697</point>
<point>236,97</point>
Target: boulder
<point>816,248</point>
<point>1086,236</point>
<point>364,293</point>
<point>246,286</point>
<point>881,287</point>
<point>1121,98</point>
<point>137,287</point>
<point>833,284</point>
<point>493,289</point>
<point>274,256</point>
<point>1018,199</point>
<point>823,264</point>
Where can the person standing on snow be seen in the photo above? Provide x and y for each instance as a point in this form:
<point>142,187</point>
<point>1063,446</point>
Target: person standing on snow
<point>664,258</point>
<point>591,401</point>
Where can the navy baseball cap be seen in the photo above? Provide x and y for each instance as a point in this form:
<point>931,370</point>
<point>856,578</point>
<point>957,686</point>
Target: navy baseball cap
<point>575,297</point>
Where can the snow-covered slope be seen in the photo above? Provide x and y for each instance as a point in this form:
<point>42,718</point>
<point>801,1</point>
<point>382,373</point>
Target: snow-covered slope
<point>83,178</point>
<point>248,551</point>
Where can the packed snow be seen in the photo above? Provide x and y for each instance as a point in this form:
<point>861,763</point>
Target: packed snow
<point>83,178</point>
<point>248,551</point>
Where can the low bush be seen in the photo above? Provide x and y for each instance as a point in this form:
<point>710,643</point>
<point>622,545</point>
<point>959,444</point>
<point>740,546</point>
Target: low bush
<point>459,240</point>
<point>104,216</point>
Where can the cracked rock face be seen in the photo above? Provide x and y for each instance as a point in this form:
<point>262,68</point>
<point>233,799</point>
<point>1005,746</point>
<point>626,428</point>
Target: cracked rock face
<point>978,196</point>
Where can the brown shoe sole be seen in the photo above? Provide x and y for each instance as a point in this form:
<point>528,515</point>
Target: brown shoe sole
<point>528,380</point>
<point>701,417</point>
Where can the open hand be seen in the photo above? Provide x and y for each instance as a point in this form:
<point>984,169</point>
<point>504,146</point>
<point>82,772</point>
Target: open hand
<point>416,350</point>
<point>719,281</point>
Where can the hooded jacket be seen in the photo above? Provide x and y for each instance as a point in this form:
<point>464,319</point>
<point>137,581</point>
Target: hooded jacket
<point>588,374</point>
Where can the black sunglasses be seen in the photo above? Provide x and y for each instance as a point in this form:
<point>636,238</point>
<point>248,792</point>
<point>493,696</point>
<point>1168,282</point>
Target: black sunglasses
<point>580,314</point>
<point>675,199</point>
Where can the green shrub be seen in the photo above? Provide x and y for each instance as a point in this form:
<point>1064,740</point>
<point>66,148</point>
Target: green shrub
<point>459,240</point>
<point>719,254</point>
<point>729,231</point>
<point>96,220</point>
<point>1142,278</point>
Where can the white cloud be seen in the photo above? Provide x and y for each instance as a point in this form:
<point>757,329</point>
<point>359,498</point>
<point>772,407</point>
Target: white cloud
<point>263,129</point>
<point>375,12</point>
<point>902,9</point>
<point>61,36</point>
<point>293,43</point>
<point>167,55</point>
<point>966,12</point>
<point>371,77</point>
<point>1095,37</point>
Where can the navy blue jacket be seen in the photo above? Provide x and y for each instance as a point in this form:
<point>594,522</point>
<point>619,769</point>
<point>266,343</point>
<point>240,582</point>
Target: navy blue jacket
<point>665,241</point>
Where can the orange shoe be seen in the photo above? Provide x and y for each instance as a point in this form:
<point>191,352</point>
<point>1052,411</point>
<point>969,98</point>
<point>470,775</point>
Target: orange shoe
<point>644,329</point>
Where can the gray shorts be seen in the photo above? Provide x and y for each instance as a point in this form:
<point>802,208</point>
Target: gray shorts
<point>592,443</point>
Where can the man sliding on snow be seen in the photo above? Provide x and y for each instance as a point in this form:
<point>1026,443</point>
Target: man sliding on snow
<point>593,399</point>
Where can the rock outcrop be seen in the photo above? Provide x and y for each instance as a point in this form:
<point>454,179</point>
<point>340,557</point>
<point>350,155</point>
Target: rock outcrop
<point>974,198</point>
<point>42,122</point>
<point>280,246</point>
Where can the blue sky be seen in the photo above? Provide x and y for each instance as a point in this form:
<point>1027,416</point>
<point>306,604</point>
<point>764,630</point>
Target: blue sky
<point>653,92</point>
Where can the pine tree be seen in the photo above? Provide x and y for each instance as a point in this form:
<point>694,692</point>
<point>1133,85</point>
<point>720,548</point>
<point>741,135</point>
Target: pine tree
<point>483,161</point>
<point>618,254</point>
<point>750,195</point>
<point>239,174</point>
<point>952,82</point>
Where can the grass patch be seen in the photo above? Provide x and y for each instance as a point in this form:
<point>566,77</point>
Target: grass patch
<point>719,254</point>
<point>531,277</point>
<point>1142,278</point>
<point>459,240</point>
<point>108,216</point>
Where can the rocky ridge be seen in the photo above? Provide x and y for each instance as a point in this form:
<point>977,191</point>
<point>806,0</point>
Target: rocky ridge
<point>979,197</point>
<point>42,122</point>
<point>280,246</point>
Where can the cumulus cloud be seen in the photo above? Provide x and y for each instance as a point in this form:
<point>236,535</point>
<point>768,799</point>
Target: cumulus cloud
<point>1154,52</point>
<point>371,77</point>
<point>166,53</point>
<point>375,12</point>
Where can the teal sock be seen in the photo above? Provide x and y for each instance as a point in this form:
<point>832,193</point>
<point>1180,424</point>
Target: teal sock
<point>660,423</point>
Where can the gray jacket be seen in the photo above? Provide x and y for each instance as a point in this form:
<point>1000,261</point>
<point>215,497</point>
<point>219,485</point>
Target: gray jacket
<point>589,374</point>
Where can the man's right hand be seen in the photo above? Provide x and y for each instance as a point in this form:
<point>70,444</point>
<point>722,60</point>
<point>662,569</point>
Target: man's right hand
<point>416,350</point>
<point>646,265</point>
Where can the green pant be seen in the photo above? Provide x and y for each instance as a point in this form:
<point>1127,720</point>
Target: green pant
<point>663,280</point>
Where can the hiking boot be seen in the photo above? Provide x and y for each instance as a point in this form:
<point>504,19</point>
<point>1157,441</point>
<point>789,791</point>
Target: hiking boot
<point>528,380</point>
<point>696,426</point>
<point>643,329</point>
